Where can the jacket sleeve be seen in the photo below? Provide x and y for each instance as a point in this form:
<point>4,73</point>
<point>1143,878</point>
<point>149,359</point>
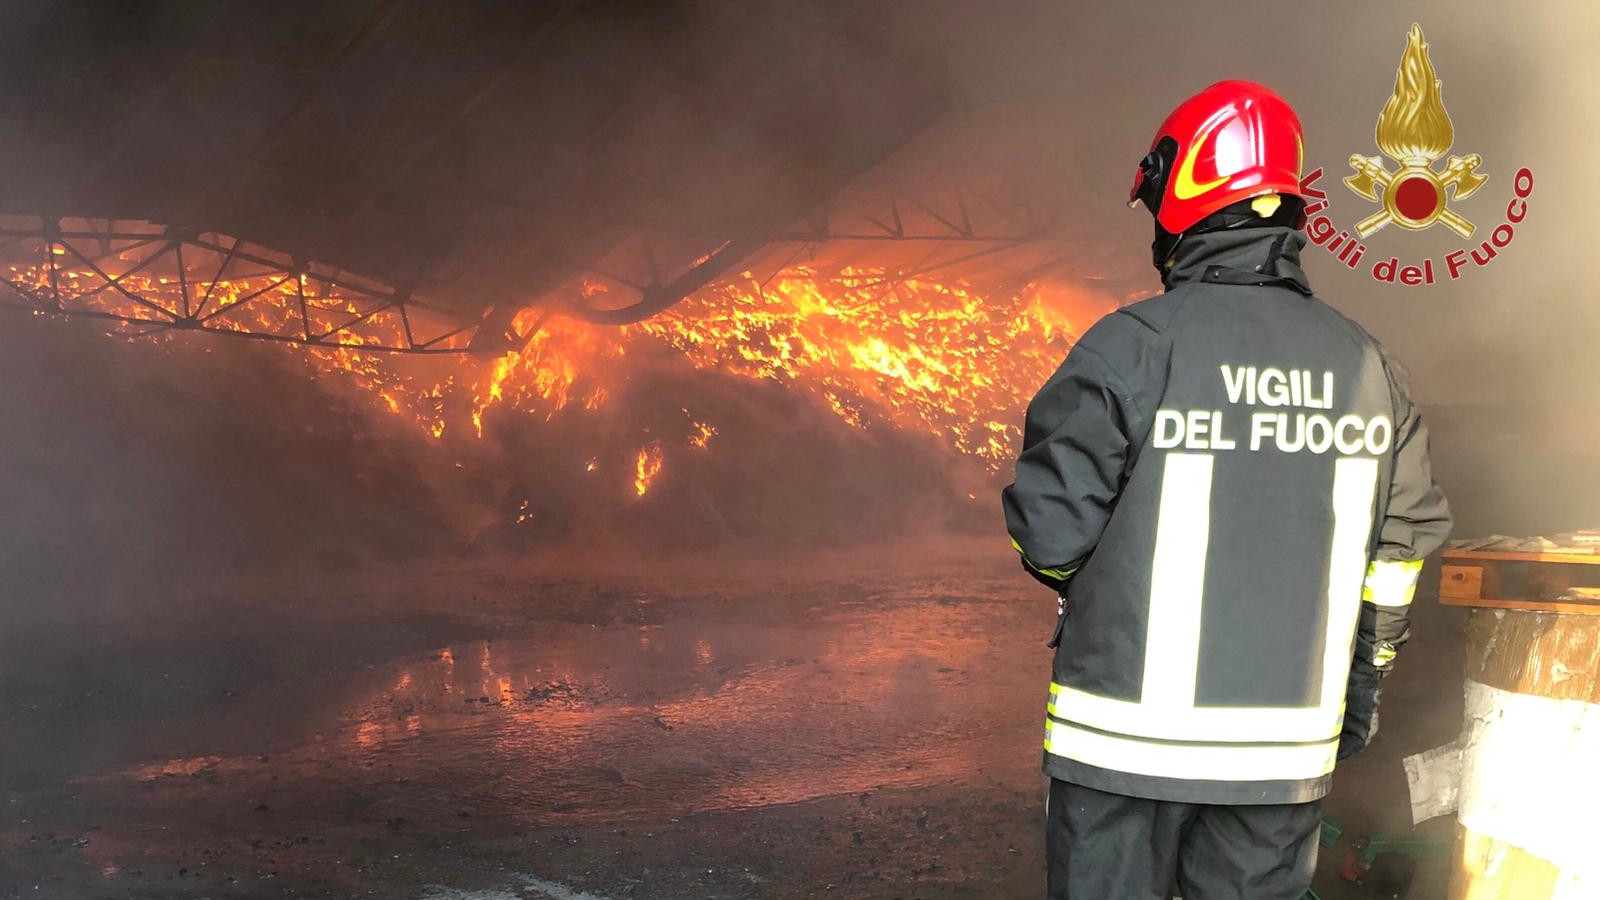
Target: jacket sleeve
<point>1415,523</point>
<point>1075,449</point>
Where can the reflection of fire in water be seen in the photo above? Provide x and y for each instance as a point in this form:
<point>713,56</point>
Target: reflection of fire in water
<point>933,356</point>
<point>699,718</point>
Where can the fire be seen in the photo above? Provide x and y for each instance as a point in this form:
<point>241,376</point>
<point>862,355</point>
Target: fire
<point>546,373</point>
<point>699,432</point>
<point>647,467</point>
<point>933,356</point>
<point>702,435</point>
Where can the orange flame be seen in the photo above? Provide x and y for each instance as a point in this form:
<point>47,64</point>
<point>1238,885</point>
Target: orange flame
<point>879,351</point>
<point>918,353</point>
<point>647,467</point>
<point>700,434</point>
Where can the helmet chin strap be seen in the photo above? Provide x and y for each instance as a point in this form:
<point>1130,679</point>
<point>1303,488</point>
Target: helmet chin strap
<point>1282,210</point>
<point>1163,248</point>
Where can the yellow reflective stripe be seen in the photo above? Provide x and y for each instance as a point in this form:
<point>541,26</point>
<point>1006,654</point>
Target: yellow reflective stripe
<point>1057,574</point>
<point>1239,762</point>
<point>1391,582</point>
<point>1290,724</point>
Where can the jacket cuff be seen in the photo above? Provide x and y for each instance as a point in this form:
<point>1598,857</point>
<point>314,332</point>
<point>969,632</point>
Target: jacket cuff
<point>1052,577</point>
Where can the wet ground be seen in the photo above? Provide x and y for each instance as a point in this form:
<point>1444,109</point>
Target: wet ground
<point>488,732</point>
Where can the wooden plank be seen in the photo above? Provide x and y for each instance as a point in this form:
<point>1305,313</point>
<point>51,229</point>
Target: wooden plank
<point>1583,559</point>
<point>1533,652</point>
<point>1543,582</point>
<point>1458,583</point>
<point>1533,605</point>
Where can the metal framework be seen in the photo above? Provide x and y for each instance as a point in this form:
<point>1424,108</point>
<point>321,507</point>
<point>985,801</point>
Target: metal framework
<point>930,223</point>
<point>144,278</point>
<point>902,218</point>
<point>148,278</point>
<point>655,295</point>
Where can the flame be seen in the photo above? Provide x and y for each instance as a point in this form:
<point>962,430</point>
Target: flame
<point>1414,127</point>
<point>647,467</point>
<point>548,369</point>
<point>700,434</point>
<point>934,356</point>
<point>921,354</point>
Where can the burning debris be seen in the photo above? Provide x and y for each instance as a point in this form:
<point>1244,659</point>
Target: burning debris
<point>939,357</point>
<point>647,467</point>
<point>932,356</point>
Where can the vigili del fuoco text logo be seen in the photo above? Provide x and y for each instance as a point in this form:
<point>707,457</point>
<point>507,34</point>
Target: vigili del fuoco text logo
<point>1414,132</point>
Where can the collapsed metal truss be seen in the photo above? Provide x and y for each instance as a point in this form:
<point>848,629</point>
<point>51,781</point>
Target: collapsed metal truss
<point>147,279</point>
<point>904,217</point>
<point>898,217</point>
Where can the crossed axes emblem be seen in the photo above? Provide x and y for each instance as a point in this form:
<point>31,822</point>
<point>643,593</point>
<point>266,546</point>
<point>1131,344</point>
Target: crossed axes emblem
<point>1414,196</point>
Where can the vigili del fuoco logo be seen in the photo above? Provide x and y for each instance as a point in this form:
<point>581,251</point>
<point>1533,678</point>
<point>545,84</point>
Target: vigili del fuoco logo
<point>1413,133</point>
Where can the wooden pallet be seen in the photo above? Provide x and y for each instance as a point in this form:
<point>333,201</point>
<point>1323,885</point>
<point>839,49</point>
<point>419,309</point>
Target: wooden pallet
<point>1515,580</point>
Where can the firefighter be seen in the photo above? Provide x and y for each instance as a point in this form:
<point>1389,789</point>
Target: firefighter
<point>1228,487</point>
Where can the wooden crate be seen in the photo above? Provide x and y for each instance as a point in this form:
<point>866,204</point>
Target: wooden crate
<point>1516,580</point>
<point>1539,649</point>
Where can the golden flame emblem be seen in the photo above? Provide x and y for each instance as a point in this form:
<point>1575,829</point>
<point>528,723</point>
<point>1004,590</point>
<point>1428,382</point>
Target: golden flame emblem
<point>1414,130</point>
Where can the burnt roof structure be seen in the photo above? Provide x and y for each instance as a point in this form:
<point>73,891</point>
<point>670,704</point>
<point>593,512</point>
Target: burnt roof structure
<point>478,155</point>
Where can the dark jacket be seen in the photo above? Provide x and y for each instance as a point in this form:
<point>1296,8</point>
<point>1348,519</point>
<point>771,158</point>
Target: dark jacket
<point>1231,487</point>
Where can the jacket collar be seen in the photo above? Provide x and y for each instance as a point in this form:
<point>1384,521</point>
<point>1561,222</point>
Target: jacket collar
<point>1246,256</point>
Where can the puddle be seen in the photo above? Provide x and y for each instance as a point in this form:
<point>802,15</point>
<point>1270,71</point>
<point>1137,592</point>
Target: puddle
<point>579,722</point>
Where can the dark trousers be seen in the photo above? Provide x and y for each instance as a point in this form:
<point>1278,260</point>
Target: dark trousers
<point>1104,846</point>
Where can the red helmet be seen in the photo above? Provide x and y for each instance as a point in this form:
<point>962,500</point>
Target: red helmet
<point>1231,141</point>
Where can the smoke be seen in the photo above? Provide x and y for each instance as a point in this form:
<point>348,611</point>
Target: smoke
<point>133,466</point>
<point>1501,357</point>
<point>469,156</point>
<point>163,461</point>
<point>144,466</point>
<point>781,472</point>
